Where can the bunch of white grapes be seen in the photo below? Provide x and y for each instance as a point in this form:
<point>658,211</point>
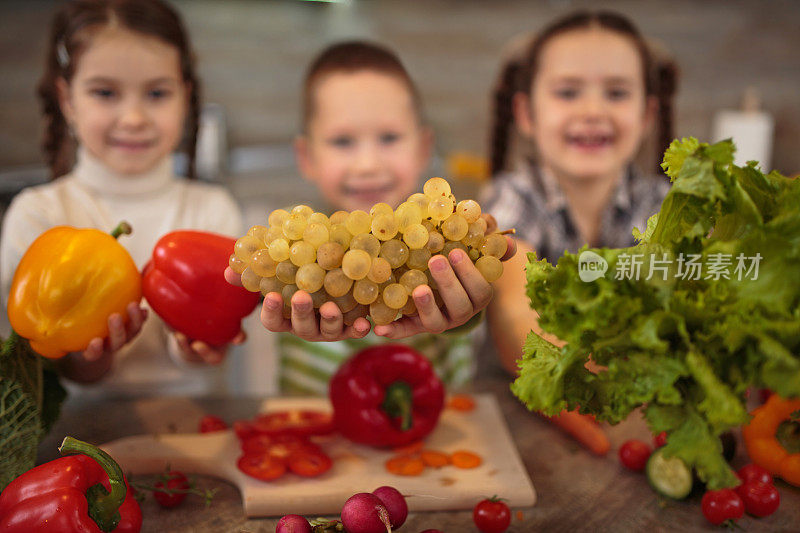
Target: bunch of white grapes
<point>367,263</point>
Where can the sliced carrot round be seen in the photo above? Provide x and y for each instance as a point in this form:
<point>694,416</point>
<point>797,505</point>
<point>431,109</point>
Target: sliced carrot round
<point>461,402</point>
<point>434,458</point>
<point>465,459</point>
<point>403,465</point>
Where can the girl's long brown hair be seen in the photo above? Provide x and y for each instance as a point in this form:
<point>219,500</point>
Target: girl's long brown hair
<point>516,75</point>
<point>70,33</point>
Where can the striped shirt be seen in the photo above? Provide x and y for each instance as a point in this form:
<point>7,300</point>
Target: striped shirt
<point>534,205</point>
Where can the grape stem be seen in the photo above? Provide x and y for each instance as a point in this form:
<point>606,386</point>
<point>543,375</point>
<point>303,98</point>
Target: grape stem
<point>511,231</point>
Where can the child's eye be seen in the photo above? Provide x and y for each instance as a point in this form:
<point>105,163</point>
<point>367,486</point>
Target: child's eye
<point>389,138</point>
<point>341,141</point>
<point>158,94</point>
<point>566,93</point>
<point>618,94</point>
<point>103,93</point>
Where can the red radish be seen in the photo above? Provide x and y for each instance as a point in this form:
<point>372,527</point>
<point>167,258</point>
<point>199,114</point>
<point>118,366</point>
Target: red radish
<point>365,513</point>
<point>293,523</point>
<point>395,504</point>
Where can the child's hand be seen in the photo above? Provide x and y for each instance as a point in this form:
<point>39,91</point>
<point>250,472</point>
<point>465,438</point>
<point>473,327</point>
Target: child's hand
<point>464,290</point>
<point>200,352</point>
<point>93,363</point>
<point>304,323</point>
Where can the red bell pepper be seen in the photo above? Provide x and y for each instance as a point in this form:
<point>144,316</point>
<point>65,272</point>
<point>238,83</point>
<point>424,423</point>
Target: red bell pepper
<point>85,493</point>
<point>185,286</point>
<point>386,395</point>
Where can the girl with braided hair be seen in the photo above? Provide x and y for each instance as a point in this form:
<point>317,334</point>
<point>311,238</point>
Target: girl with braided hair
<point>119,94</point>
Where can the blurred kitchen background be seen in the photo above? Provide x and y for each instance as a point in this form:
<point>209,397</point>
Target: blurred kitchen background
<point>252,55</point>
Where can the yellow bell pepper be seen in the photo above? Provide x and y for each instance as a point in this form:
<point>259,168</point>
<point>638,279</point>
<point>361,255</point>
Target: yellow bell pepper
<point>67,284</point>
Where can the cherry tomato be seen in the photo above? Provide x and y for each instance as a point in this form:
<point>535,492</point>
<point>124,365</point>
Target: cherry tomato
<point>760,499</point>
<point>753,472</point>
<point>210,423</point>
<point>634,454</point>
<point>721,505</point>
<point>491,516</point>
<point>303,423</point>
<point>261,466</point>
<point>660,439</point>
<point>174,481</point>
<point>309,463</point>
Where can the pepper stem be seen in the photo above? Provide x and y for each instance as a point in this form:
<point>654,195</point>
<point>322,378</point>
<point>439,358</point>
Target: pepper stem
<point>103,505</point>
<point>123,228</point>
<point>397,403</point>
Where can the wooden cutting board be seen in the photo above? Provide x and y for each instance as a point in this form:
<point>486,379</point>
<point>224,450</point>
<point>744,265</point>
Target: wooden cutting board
<point>356,468</point>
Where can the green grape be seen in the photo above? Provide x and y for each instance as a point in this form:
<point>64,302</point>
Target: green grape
<point>356,263</point>
<point>319,218</point>
<point>479,226</point>
<point>418,259</point>
<point>435,242</point>
<point>339,217</point>
<point>269,285</point>
<point>436,187</point>
<point>345,302</point>
<point>413,279</point>
<point>449,246</point>
<point>455,227</point>
<point>301,253</point>
<point>287,311</point>
<point>408,214</point>
<point>494,245</point>
<point>440,208</point>
<point>279,250</point>
<point>236,264</point>
<point>336,283</point>
<point>277,218</point>
<point>262,264</point>
<point>430,225</point>
<point>355,313</point>
<point>302,210</point>
<point>274,232</point>
<point>358,222</point>
<point>384,226</point>
<point>473,254</point>
<point>246,246</point>
<point>329,255</point>
<point>251,280</point>
<point>422,201</point>
<point>365,291</point>
<point>294,226</point>
<point>394,251</point>
<point>490,267</point>
<point>473,239</point>
<point>287,293</point>
<point>381,313</point>
<point>340,234</point>
<point>380,270</point>
<point>416,236</point>
<point>367,242</point>
<point>392,279</point>
<point>410,308</point>
<point>310,277</point>
<point>259,232</point>
<point>395,296</point>
<point>381,208</point>
<point>286,271</point>
<point>469,209</point>
<point>318,298</point>
<point>315,234</point>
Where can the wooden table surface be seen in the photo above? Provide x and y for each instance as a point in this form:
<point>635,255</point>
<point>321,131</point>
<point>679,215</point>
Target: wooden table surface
<point>576,490</point>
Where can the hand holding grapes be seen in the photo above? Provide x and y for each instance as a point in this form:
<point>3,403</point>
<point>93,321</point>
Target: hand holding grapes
<point>322,276</point>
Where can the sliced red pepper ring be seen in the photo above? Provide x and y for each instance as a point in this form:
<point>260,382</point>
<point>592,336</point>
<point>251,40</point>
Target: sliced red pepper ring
<point>309,463</point>
<point>261,466</point>
<point>303,423</point>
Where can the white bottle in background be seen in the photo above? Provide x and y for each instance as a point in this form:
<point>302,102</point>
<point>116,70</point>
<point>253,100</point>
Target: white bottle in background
<point>750,128</point>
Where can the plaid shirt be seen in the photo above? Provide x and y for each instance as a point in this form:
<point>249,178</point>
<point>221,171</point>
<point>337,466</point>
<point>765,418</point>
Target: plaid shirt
<point>535,206</point>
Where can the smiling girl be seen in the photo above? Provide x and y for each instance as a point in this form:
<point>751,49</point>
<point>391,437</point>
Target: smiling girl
<point>585,93</point>
<point>119,93</point>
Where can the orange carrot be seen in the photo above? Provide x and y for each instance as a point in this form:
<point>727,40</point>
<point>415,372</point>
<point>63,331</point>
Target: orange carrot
<point>584,429</point>
<point>461,402</point>
<point>434,458</point>
<point>404,465</point>
<point>520,516</point>
<point>465,459</point>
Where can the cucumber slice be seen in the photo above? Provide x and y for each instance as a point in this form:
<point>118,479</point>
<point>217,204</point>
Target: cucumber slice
<point>669,476</point>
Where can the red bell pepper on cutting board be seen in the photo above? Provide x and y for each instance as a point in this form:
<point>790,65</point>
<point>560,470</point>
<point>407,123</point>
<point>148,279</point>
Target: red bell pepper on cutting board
<point>386,395</point>
<point>185,286</point>
<point>86,493</point>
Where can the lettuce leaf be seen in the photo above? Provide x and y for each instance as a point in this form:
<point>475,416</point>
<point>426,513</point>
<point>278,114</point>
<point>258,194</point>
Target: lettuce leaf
<point>685,344</point>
